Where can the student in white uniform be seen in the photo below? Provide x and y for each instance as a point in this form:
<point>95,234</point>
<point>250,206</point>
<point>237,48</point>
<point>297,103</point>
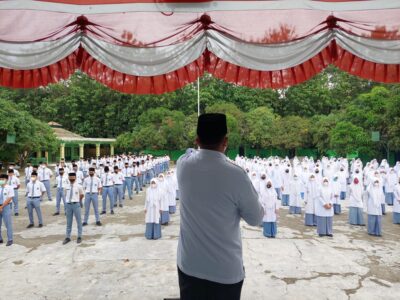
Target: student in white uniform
<point>92,187</point>
<point>28,172</point>
<point>74,195</point>
<point>6,196</point>
<point>374,208</point>
<point>396,203</point>
<point>108,190</point>
<point>285,189</point>
<point>118,179</point>
<point>271,204</point>
<point>171,192</point>
<point>44,175</point>
<point>152,210</point>
<point>35,190</point>
<point>335,186</point>
<point>356,216</point>
<point>324,209</point>
<point>62,182</point>
<point>311,193</point>
<point>14,182</point>
<point>295,198</point>
<point>391,181</point>
<point>165,218</point>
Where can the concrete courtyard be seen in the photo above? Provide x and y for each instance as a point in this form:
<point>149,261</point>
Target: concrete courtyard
<point>115,261</point>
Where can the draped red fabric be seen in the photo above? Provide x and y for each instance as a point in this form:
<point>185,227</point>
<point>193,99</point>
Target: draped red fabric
<point>156,29</point>
<point>208,62</point>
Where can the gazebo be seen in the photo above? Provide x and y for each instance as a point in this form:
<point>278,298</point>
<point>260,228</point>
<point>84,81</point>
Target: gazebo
<point>73,146</point>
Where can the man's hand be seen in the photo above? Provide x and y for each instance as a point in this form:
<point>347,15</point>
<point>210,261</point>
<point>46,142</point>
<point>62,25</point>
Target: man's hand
<point>327,206</point>
<point>145,211</point>
<point>1,208</point>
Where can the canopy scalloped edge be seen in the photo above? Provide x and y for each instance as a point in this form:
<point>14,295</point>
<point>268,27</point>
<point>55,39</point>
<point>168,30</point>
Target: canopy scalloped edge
<point>207,62</point>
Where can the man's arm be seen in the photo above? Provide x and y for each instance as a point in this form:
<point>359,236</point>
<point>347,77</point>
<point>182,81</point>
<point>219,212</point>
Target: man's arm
<point>250,208</point>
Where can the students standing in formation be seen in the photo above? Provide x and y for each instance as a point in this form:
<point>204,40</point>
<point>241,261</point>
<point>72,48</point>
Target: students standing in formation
<point>160,202</point>
<point>321,187</point>
<point>79,184</point>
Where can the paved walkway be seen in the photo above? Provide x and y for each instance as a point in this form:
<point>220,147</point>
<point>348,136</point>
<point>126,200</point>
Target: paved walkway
<point>115,261</point>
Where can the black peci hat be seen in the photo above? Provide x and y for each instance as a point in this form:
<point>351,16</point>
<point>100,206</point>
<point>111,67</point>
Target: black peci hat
<point>211,128</point>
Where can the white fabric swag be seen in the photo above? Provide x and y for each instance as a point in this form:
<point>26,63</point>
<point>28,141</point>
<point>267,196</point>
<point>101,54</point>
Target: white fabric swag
<point>141,61</point>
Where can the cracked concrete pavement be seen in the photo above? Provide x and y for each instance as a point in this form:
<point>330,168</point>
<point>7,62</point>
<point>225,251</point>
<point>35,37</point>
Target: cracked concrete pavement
<point>116,261</point>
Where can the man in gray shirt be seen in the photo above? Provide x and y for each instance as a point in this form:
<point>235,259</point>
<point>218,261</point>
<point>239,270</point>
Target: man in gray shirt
<point>215,195</point>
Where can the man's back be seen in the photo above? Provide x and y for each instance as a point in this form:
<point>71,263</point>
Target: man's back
<point>214,195</point>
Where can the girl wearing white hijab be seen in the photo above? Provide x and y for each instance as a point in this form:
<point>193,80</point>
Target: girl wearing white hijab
<point>295,198</point>
<point>396,203</point>
<point>152,210</point>
<point>270,203</point>
<point>356,216</point>
<point>335,186</point>
<point>170,190</point>
<point>324,209</point>
<point>374,208</point>
<point>164,200</point>
<point>311,194</point>
<point>391,181</point>
<point>285,191</point>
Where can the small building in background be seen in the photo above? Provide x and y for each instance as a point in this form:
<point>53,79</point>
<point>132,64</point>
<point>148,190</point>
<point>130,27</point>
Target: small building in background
<point>74,146</point>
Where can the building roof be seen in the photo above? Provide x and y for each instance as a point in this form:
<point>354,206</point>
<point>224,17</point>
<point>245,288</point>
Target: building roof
<point>68,136</point>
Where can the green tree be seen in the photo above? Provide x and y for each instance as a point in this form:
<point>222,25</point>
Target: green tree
<point>347,138</point>
<point>259,125</point>
<point>31,134</point>
<point>291,132</point>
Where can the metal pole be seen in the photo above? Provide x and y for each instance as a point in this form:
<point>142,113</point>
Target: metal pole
<point>198,96</point>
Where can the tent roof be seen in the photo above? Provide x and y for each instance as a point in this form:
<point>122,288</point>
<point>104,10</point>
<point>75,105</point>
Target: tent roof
<point>153,47</point>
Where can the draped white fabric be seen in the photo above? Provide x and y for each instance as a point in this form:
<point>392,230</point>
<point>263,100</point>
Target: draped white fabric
<point>161,60</point>
<point>26,56</point>
<point>146,61</point>
<point>267,57</point>
<point>378,51</point>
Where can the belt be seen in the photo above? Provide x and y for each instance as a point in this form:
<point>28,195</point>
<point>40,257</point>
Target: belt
<point>72,202</point>
<point>108,186</point>
<point>45,180</point>
<point>35,197</point>
<point>118,184</point>
<point>128,177</point>
<point>91,193</point>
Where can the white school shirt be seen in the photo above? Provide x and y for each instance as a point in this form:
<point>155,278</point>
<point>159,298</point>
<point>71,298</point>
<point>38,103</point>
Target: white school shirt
<point>270,203</point>
<point>76,190</point>
<point>7,192</point>
<point>62,182</point>
<point>118,178</point>
<point>215,194</point>
<point>135,171</point>
<point>152,205</point>
<point>356,192</point>
<point>325,197</point>
<point>13,182</point>
<point>44,174</point>
<point>127,172</point>
<point>28,172</point>
<point>107,179</point>
<point>95,185</point>
<point>35,189</point>
<point>375,198</point>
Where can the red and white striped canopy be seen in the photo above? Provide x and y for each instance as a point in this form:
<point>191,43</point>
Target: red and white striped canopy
<point>157,46</point>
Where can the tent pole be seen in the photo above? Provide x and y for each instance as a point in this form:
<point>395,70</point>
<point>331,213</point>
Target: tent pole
<point>198,96</point>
